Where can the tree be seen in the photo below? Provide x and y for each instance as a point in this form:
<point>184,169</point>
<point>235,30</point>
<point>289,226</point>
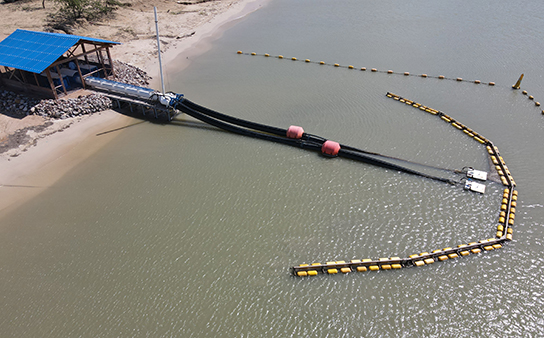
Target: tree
<point>74,12</point>
<point>74,8</point>
<point>88,9</point>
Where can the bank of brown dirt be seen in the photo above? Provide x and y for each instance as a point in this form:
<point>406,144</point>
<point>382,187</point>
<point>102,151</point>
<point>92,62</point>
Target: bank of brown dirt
<point>132,24</point>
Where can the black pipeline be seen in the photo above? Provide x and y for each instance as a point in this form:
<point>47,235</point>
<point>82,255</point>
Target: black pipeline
<point>307,141</point>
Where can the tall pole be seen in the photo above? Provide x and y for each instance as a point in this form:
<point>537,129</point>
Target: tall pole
<point>159,47</point>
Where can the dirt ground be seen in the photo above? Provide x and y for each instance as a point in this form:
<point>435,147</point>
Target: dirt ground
<point>133,25</point>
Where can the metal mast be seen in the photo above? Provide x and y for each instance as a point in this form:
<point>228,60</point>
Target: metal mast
<point>159,48</point>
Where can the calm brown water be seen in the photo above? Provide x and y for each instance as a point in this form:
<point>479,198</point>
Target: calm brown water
<point>182,230</point>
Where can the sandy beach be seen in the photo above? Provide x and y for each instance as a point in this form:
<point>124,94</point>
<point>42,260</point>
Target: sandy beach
<point>57,146</point>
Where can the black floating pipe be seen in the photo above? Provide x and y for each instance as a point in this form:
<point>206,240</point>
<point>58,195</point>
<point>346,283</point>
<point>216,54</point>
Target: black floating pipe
<point>234,120</point>
<point>232,128</point>
<point>397,159</point>
<point>367,159</point>
<point>313,144</point>
<point>283,132</point>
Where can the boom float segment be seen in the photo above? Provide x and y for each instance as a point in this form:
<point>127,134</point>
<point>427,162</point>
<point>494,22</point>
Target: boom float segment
<point>504,230</point>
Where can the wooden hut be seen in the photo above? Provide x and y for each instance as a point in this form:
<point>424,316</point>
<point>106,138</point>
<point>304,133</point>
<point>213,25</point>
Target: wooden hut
<point>51,64</point>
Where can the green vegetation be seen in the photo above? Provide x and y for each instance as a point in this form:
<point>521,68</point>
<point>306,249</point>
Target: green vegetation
<point>72,12</point>
<point>87,9</point>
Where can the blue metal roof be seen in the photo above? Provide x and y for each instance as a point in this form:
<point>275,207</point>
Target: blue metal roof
<point>35,51</point>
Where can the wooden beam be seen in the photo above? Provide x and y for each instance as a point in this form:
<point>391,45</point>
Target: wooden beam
<point>61,80</point>
<point>48,73</point>
<point>23,75</point>
<point>111,61</point>
<point>15,76</point>
<point>18,86</point>
<point>77,56</point>
<point>84,53</point>
<point>70,52</point>
<point>93,72</point>
<point>80,74</point>
<point>101,58</point>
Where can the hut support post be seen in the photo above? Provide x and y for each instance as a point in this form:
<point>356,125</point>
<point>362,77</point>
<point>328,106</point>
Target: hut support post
<point>23,75</point>
<point>111,61</point>
<point>61,80</point>
<point>48,73</point>
<point>80,74</point>
<point>84,53</point>
<point>101,59</point>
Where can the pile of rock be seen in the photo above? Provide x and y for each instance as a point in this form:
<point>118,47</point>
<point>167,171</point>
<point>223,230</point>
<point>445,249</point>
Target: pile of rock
<point>130,74</point>
<point>16,105</point>
<point>64,108</point>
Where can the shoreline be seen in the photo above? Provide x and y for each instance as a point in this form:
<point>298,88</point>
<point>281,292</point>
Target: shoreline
<point>59,148</point>
<point>181,53</point>
<point>40,166</point>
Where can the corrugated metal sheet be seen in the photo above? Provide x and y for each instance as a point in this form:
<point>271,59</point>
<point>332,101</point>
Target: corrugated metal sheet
<point>35,51</point>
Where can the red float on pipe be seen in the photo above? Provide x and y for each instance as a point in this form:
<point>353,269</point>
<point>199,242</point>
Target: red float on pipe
<point>330,148</point>
<point>295,132</point>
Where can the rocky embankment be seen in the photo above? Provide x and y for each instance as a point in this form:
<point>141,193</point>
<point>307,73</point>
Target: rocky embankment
<point>65,108</point>
<point>17,105</point>
<point>58,114</point>
<point>130,74</point>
